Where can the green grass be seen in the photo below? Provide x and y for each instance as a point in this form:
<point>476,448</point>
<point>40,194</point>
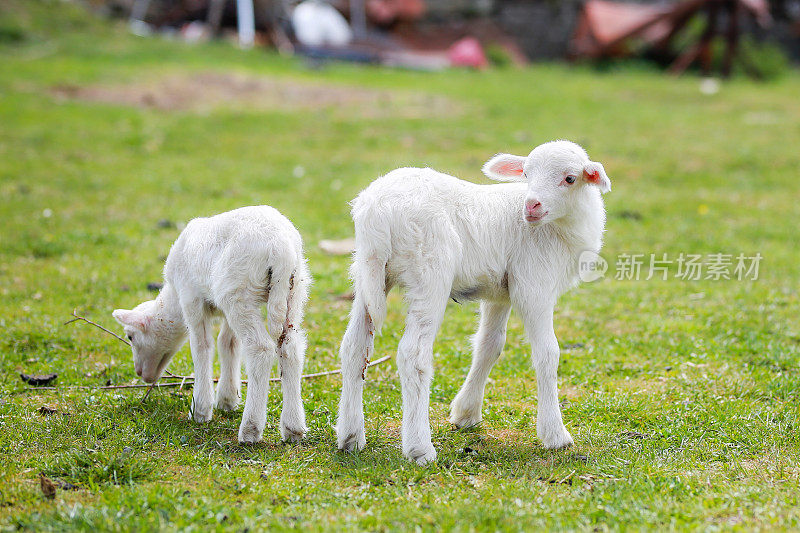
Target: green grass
<point>705,371</point>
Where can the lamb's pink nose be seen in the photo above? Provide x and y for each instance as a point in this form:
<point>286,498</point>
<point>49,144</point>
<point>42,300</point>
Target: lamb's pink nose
<point>532,207</point>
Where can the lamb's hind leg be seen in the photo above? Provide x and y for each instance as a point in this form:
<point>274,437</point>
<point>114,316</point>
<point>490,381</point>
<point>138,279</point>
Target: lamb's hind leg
<point>293,416</point>
<point>487,344</point>
<point>291,352</point>
<point>415,365</point>
<point>356,349</point>
<point>258,349</point>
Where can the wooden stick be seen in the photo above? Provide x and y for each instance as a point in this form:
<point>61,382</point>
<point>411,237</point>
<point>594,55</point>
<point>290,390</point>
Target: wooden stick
<point>170,375</point>
<point>304,376</point>
<point>146,394</point>
<point>95,324</point>
<point>180,383</point>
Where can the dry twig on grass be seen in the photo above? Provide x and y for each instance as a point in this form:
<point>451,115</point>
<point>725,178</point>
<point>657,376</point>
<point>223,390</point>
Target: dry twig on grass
<point>184,380</point>
<point>169,375</point>
<point>95,324</point>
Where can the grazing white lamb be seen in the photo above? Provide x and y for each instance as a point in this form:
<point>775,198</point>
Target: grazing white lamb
<point>438,238</point>
<point>229,266</point>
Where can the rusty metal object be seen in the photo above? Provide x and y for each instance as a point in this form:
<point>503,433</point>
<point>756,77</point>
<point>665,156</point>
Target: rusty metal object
<point>610,29</point>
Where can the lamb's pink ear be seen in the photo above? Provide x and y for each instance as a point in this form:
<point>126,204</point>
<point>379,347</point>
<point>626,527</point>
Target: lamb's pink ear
<point>595,174</point>
<point>133,319</point>
<point>505,167</point>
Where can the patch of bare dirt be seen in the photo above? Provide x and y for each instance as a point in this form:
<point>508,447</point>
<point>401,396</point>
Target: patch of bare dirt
<point>211,90</point>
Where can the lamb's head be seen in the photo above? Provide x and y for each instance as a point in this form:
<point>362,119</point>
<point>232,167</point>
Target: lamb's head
<point>154,336</point>
<point>559,174</point>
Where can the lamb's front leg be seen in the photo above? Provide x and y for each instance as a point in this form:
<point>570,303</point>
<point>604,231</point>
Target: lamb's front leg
<point>549,425</point>
<point>465,411</point>
<point>202,345</point>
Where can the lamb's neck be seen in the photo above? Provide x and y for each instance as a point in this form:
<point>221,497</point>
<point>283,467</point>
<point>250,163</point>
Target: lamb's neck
<point>583,228</point>
<point>169,308</point>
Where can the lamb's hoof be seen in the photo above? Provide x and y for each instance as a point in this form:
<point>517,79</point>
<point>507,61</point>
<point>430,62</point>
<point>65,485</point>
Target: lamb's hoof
<point>465,419</point>
<point>421,456</point>
<point>249,433</point>
<point>201,416</point>
<point>352,442</point>
<point>292,435</point>
<point>227,403</point>
<point>557,441</point>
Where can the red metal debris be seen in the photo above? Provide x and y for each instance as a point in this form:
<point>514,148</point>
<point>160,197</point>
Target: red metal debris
<point>610,29</point>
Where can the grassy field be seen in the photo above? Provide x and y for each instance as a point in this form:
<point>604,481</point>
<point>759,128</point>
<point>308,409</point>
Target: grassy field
<point>682,395</point>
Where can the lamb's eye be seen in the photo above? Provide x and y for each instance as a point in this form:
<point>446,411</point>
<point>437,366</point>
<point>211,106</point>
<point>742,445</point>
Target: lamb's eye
<point>570,179</point>
<point>130,338</point>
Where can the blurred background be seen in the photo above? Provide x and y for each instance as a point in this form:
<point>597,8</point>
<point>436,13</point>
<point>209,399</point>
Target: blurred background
<point>756,37</point>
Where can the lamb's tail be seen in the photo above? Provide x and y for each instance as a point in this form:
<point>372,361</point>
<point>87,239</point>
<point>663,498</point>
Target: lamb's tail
<point>368,271</point>
<point>280,286</point>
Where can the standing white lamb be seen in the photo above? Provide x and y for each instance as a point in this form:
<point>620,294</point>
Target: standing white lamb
<point>439,237</point>
<point>229,266</point>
